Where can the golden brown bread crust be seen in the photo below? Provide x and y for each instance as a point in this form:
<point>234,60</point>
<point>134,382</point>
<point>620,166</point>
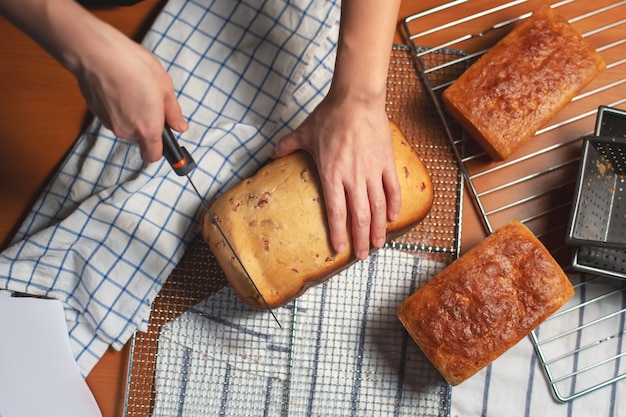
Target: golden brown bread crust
<point>522,82</point>
<point>276,221</point>
<point>485,302</point>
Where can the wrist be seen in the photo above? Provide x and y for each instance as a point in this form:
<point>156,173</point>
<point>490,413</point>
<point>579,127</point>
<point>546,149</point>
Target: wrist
<point>357,78</point>
<point>364,49</point>
<point>365,94</point>
<point>65,29</point>
<point>80,36</point>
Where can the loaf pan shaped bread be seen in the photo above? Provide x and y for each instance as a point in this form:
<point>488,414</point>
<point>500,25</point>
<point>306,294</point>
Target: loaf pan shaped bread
<point>276,222</point>
<point>485,302</point>
<point>513,90</point>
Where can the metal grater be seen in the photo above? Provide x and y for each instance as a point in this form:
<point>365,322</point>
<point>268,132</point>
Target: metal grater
<point>606,260</point>
<point>598,217</point>
<point>537,183</point>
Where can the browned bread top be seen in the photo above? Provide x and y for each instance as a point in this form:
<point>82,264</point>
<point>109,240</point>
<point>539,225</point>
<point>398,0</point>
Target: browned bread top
<point>522,82</point>
<point>485,302</point>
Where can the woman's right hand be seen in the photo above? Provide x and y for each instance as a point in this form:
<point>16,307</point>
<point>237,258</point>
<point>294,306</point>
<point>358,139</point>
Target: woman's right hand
<point>123,83</point>
<point>128,89</point>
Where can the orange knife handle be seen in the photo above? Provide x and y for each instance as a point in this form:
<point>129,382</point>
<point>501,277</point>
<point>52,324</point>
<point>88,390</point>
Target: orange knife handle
<point>178,157</point>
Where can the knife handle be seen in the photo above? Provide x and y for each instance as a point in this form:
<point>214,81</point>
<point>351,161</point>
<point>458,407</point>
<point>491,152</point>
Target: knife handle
<point>178,157</point>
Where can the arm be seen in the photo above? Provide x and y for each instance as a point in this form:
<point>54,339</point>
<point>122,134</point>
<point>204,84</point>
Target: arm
<point>124,85</point>
<point>348,133</point>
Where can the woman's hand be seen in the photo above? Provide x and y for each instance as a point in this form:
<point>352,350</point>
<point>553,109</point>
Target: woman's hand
<point>348,134</point>
<point>124,85</point>
<point>350,141</point>
<point>128,89</point>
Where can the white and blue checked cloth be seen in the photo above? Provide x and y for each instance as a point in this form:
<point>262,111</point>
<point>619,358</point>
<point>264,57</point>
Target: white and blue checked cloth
<point>347,354</point>
<point>341,351</point>
<point>109,230</point>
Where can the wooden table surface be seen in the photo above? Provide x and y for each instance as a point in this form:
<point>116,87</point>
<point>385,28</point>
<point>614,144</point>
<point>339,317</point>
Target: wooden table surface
<point>41,115</point>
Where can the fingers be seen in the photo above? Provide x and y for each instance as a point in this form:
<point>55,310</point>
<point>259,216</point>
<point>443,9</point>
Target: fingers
<point>337,213</point>
<point>393,194</point>
<point>145,134</point>
<point>285,146</point>
<point>362,224</point>
<point>151,146</point>
<point>148,133</point>
<point>368,210</point>
<point>173,113</point>
<point>378,215</point>
<point>149,136</point>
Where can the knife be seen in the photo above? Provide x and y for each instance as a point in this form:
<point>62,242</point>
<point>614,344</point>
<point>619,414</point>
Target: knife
<point>182,163</point>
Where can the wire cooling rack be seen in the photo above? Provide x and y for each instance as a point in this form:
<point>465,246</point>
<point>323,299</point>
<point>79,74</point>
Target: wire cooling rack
<point>536,184</point>
<point>341,350</point>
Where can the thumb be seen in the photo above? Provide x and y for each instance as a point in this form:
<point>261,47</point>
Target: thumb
<point>173,114</point>
<point>285,146</point>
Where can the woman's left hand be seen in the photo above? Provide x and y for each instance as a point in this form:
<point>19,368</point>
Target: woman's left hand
<point>350,141</point>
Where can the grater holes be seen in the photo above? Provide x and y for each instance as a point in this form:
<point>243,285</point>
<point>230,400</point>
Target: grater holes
<point>614,155</point>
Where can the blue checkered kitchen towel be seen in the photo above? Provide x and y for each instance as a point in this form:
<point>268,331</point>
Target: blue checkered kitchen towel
<point>341,351</point>
<point>109,229</point>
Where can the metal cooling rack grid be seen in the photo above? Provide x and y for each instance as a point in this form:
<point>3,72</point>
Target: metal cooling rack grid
<point>576,361</point>
<point>536,184</point>
<point>437,239</point>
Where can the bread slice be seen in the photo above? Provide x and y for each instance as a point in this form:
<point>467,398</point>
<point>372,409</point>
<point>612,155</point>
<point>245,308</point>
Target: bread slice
<point>485,302</point>
<point>276,221</point>
<point>513,90</point>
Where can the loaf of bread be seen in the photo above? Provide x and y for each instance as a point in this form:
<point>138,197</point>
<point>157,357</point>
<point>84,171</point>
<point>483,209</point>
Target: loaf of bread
<point>485,302</point>
<point>276,222</point>
<point>513,90</point>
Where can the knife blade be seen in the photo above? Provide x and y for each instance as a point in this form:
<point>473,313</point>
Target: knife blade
<point>182,163</point>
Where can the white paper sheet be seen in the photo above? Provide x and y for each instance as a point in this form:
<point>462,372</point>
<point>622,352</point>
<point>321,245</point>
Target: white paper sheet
<point>38,373</point>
